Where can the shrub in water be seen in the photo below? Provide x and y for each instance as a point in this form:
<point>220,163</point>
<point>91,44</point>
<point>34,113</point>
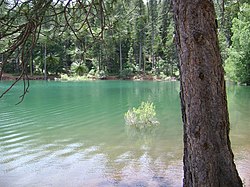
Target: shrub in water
<point>141,117</point>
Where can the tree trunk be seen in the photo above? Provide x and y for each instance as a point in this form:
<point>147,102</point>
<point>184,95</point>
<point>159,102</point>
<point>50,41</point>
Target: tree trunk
<point>208,158</point>
<point>152,45</point>
<point>31,62</point>
<point>120,54</point>
<point>1,66</point>
<point>140,56</point>
<point>17,64</point>
<point>100,58</point>
<point>45,61</point>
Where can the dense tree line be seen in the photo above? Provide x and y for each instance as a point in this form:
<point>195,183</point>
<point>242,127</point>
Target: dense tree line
<point>233,24</point>
<point>126,38</point>
<point>111,37</point>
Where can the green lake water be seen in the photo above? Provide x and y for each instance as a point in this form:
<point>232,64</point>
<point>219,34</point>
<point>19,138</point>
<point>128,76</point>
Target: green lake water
<point>74,134</point>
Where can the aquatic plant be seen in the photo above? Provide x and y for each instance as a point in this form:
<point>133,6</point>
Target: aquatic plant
<point>141,117</point>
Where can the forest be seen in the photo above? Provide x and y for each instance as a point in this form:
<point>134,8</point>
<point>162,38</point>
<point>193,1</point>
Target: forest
<point>124,39</point>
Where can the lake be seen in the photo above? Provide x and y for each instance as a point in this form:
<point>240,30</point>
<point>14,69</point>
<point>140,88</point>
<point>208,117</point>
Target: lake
<point>74,134</point>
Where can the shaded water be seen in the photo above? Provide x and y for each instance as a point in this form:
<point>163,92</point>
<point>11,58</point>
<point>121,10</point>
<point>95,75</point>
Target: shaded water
<point>73,134</point>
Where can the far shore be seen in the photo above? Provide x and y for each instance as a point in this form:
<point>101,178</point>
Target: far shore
<point>10,77</point>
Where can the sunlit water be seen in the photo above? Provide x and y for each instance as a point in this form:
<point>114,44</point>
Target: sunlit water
<point>73,134</point>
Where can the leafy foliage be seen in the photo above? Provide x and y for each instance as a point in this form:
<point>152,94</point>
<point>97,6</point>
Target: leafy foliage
<point>100,74</point>
<point>79,69</point>
<point>126,73</point>
<point>238,63</point>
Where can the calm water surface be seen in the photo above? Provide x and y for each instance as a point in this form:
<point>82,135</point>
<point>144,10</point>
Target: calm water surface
<point>73,134</point>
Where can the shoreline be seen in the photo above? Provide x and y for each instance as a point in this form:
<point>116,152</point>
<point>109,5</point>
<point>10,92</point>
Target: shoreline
<point>10,77</point>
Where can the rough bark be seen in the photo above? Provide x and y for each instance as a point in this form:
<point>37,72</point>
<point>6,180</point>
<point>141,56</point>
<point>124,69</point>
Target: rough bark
<point>140,55</point>
<point>120,54</point>
<point>2,62</point>
<point>208,157</point>
<point>45,61</point>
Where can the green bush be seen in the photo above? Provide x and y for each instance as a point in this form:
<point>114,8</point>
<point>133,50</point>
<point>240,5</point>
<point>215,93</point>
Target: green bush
<point>141,117</point>
<point>126,73</point>
<point>237,64</point>
<point>91,74</point>
<point>79,69</point>
<point>100,74</point>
